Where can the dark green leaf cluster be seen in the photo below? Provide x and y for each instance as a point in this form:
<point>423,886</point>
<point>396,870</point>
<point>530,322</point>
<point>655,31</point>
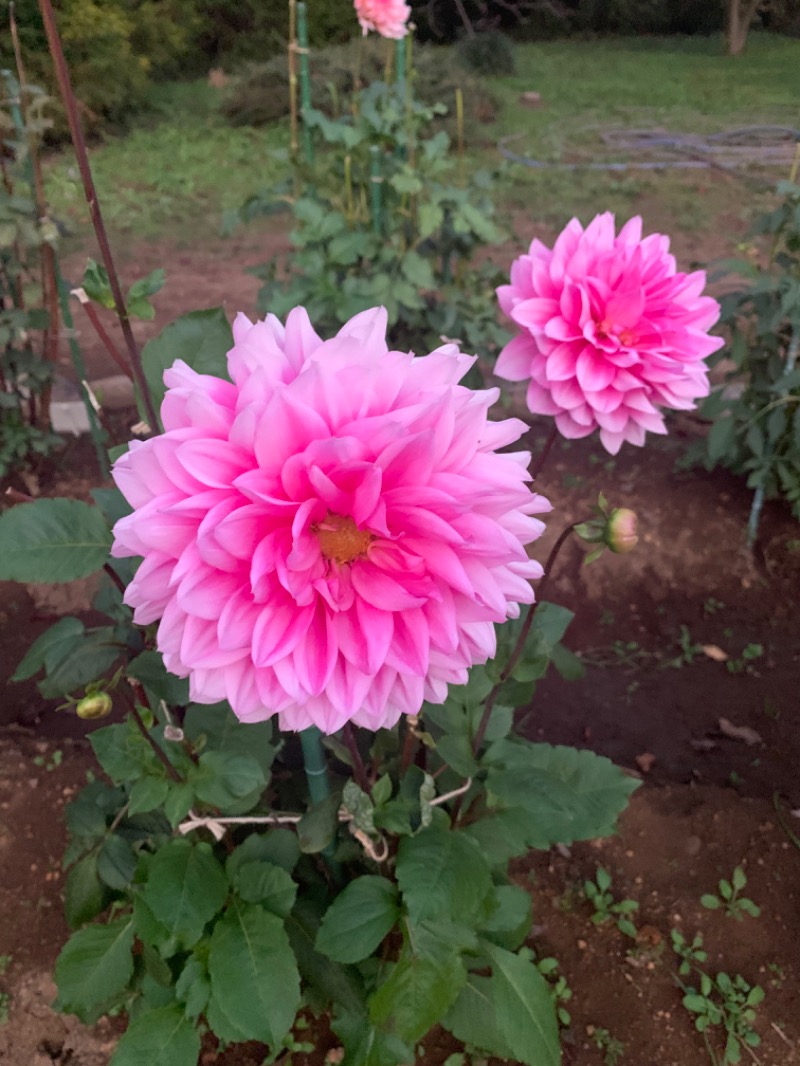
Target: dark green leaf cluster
<point>756,410</point>
<point>25,372</point>
<point>407,247</point>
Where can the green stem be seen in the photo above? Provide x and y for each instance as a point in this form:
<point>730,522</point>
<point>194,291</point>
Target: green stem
<point>305,79</point>
<point>315,764</point>
<point>376,189</point>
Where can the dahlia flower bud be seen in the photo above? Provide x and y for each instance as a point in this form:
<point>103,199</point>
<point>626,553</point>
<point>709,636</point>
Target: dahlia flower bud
<point>93,707</point>
<point>620,532</point>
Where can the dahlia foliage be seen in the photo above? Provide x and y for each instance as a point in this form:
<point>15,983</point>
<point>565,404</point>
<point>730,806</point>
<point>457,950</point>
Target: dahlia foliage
<point>610,332</point>
<point>332,534</point>
<point>389,18</point>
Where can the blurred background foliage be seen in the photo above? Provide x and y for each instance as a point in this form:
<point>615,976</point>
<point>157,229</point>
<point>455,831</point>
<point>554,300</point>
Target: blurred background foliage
<point>117,48</point>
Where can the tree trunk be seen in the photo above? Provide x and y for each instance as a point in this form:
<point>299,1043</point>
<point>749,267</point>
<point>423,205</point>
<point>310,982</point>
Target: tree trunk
<point>737,25</point>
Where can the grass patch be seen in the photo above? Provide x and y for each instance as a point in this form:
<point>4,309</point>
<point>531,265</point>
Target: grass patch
<point>174,173</point>
<point>182,165</point>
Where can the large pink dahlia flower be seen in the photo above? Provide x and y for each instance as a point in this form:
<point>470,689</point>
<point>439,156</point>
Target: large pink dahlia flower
<point>610,331</point>
<point>389,18</point>
<point>331,535</point>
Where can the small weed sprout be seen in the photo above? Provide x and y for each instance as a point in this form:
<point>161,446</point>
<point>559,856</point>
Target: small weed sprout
<point>562,993</point>
<point>743,663</point>
<point>735,906</point>
<point>612,1048</point>
<point>606,908</point>
<point>5,998</point>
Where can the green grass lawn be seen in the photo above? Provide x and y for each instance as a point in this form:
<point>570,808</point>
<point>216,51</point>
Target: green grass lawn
<point>177,169</point>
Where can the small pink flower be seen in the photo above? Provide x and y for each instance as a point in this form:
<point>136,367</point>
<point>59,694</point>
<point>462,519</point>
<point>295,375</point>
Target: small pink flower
<point>388,17</point>
<point>332,534</point>
<point>609,331</point>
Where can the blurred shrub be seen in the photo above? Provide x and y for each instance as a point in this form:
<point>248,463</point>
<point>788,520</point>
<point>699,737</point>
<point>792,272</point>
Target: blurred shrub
<point>260,94</point>
<point>487,54</point>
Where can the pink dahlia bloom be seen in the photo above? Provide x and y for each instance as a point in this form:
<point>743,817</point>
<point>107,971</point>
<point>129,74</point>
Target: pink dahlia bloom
<point>388,17</point>
<point>332,534</point>
<point>609,331</point>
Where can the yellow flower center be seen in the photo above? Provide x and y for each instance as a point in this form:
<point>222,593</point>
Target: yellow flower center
<point>340,539</point>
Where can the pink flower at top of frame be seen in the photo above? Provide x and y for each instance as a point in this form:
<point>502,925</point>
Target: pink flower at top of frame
<point>389,18</point>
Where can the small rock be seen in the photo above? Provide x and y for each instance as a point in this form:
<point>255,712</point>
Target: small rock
<point>693,845</point>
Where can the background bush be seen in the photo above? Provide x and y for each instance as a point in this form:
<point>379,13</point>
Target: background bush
<point>260,94</point>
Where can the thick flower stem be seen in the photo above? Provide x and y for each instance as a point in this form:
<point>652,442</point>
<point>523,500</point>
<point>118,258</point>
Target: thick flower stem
<point>359,770</point>
<point>541,459</point>
<point>82,157</point>
<point>519,647</point>
<point>158,751</point>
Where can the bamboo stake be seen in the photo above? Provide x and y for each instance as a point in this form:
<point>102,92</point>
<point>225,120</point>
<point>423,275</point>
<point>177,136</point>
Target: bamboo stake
<point>293,139</point>
<point>305,78</point>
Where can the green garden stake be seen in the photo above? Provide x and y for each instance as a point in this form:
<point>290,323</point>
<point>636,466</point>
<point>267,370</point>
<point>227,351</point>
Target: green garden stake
<point>98,437</point>
<point>400,61</point>
<point>319,787</point>
<point>305,79</point>
<point>376,190</point>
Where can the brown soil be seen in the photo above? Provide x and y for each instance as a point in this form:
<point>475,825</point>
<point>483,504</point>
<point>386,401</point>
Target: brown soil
<point>652,705</point>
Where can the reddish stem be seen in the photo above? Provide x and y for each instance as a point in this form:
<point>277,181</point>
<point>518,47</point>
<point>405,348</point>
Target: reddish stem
<point>82,157</point>
<point>105,339</point>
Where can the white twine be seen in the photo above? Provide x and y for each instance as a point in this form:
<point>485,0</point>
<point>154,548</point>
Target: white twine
<point>216,825</point>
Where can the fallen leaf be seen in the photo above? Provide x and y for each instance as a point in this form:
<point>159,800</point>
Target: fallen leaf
<point>645,761</point>
<point>739,732</point>
<point>715,652</point>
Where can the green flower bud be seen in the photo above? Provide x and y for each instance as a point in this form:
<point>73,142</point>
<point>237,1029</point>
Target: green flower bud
<point>621,535</point>
<point>97,706</point>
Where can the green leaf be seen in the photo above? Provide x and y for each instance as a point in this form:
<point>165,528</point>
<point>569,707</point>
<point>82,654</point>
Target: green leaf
<point>84,896</point>
<point>364,1045</point>
<point>710,902</point>
<point>329,981</point>
<point>472,1018</point>
<point>94,967</point>
<point>721,438</point>
<point>229,781</point>
<point>510,920</point>
<point>567,663</point>
<point>122,753</point>
<point>116,863</point>
<point>193,987</point>
<point>358,919</point>
<point>96,285</point>
<point>84,664</point>
<point>137,301</point>
<point>52,541</point>
<point>317,828</point>
<point>271,886</point>
<point>148,667</point>
<point>277,846</point>
<point>442,873</point>
<point>54,645</point>
<point>201,339</point>
<point>417,994</point>
<point>178,802</point>
<point>429,218</point>
<point>147,793</point>
<point>569,794</point>
<point>254,978</point>
<point>739,879</point>
<point>185,888</point>
<point>457,753</point>
<point>161,1037</point>
<point>220,730</point>
<point>525,1013</point>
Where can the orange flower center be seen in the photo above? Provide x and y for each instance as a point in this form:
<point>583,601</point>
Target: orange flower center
<point>340,539</point>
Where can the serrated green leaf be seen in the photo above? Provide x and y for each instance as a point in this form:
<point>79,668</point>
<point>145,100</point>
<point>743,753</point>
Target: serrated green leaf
<point>231,782</point>
<point>161,1037</point>
<point>329,981</point>
<point>201,339</point>
<point>253,971</point>
<point>147,793</point>
<point>271,886</point>
<point>94,967</point>
<point>84,896</point>
<point>148,667</point>
<point>472,1018</point>
<point>510,920</point>
<point>52,540</point>
<point>96,285</point>
<point>525,1012</point>
<point>55,644</point>
<point>417,994</point>
<point>442,873</point>
<point>569,794</point>
<point>358,919</point>
<point>185,889</point>
<point>193,987</point>
<point>116,863</point>
<point>224,732</point>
